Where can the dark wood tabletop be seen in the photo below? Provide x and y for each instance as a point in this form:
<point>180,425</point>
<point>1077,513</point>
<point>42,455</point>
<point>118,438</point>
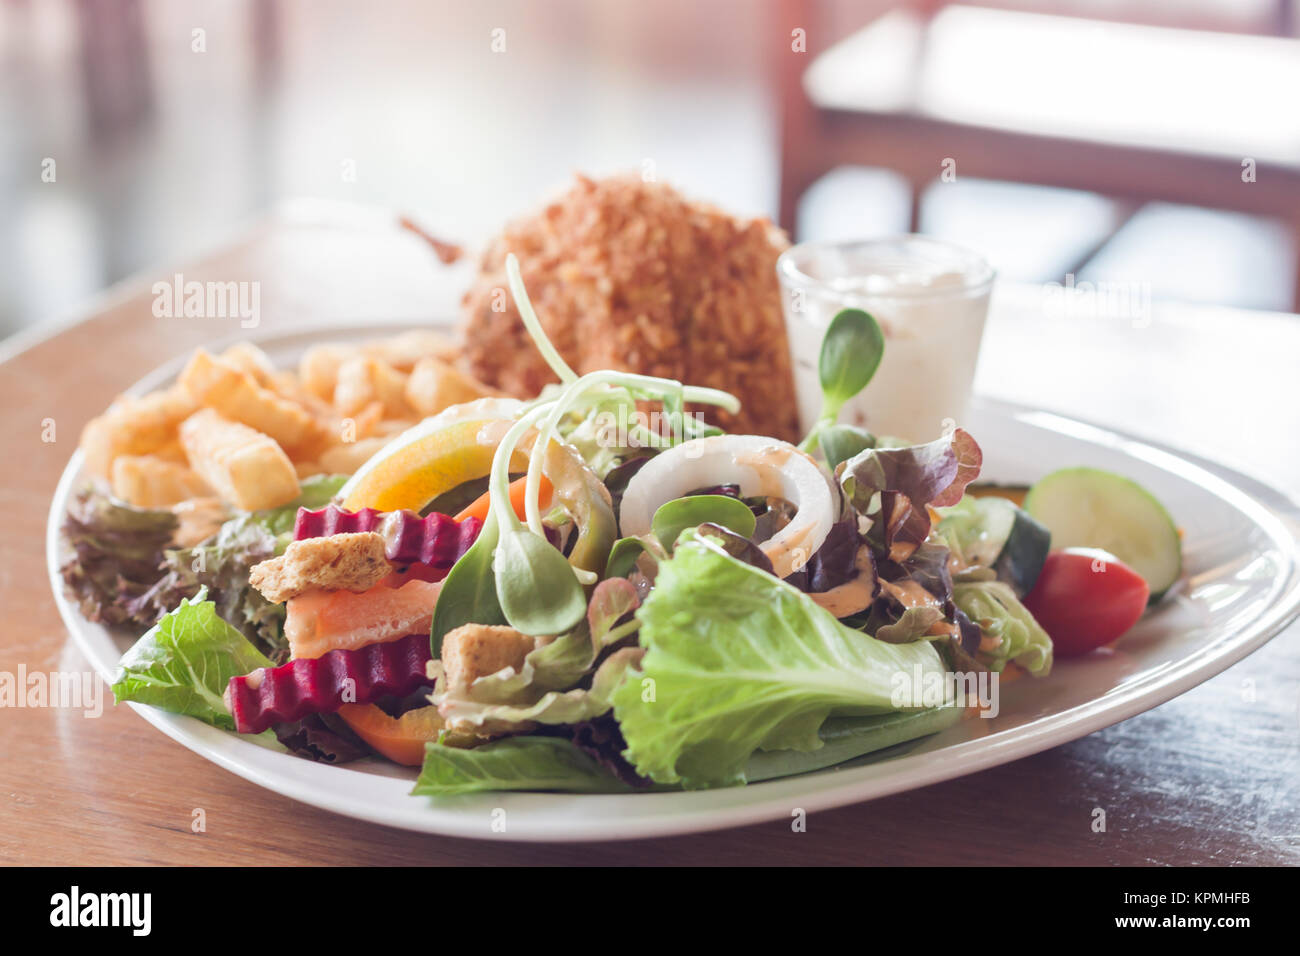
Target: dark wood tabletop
<point>1211,777</point>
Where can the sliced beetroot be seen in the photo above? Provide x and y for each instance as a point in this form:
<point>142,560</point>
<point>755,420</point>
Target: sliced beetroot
<point>305,685</point>
<point>436,540</point>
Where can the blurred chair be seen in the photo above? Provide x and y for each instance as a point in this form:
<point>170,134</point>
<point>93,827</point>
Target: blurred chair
<point>115,68</point>
<point>1132,110</point>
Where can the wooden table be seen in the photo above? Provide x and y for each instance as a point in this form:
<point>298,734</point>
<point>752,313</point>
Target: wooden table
<point>1211,777</point>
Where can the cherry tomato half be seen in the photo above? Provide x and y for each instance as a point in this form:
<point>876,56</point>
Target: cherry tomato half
<point>1085,598</point>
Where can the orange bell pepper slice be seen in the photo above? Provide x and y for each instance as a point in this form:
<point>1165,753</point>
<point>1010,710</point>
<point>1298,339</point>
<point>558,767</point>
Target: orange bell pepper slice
<point>400,739</point>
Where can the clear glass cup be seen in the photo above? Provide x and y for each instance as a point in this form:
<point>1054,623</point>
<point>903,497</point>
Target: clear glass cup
<point>931,299</point>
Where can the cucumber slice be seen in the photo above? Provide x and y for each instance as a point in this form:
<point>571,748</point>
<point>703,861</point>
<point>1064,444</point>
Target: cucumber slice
<point>985,538</point>
<point>1025,552</point>
<point>992,532</point>
<point>1091,508</point>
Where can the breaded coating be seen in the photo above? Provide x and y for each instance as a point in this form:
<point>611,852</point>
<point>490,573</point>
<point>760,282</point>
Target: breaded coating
<point>472,651</point>
<point>242,465</point>
<point>628,275</point>
<point>147,481</point>
<point>340,562</point>
<point>134,425</point>
<point>435,384</point>
<point>222,385</point>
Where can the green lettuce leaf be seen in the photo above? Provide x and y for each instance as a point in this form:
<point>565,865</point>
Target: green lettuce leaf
<point>222,562</point>
<point>1004,621</point>
<point>737,661</point>
<point>847,738</point>
<point>184,662</point>
<point>515,763</point>
<point>557,764</point>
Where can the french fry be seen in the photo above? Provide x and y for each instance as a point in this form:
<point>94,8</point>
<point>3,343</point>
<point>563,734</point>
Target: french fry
<point>216,384</point>
<point>243,466</point>
<point>149,482</point>
<point>264,428</point>
<point>318,369</point>
<point>352,428</point>
<point>353,388</point>
<point>362,380</point>
<point>134,426</point>
<point>365,422</point>
<point>287,385</point>
<point>403,351</point>
<point>390,388</point>
<point>172,451</point>
<point>248,358</point>
<point>435,384</point>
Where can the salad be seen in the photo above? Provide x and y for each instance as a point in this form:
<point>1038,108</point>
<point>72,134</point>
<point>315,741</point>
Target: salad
<point>595,590</point>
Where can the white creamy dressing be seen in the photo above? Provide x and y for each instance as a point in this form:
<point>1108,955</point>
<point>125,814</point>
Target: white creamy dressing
<point>932,324</point>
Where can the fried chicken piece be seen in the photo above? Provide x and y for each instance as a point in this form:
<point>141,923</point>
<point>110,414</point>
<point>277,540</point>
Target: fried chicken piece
<point>628,275</point>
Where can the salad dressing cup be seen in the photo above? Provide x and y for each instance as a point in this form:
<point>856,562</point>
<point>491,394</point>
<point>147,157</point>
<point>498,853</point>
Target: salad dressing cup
<point>930,298</point>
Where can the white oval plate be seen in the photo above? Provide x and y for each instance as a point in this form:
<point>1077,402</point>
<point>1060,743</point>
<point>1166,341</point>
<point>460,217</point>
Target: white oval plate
<point>1241,586</point>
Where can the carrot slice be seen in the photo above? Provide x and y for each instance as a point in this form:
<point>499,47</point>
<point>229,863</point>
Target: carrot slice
<point>518,487</point>
<point>400,739</point>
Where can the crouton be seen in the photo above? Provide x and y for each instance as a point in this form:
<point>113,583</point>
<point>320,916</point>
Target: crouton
<point>340,562</point>
<point>472,651</point>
